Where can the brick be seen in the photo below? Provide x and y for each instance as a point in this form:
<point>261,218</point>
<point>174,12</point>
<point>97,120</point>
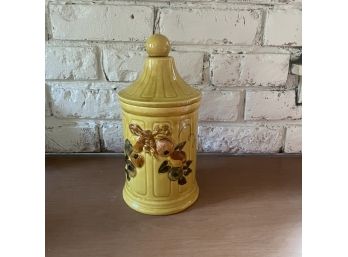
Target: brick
<point>189,66</point>
<point>263,69</point>
<point>101,22</point>
<point>271,105</point>
<point>122,65</point>
<point>70,100</point>
<point>112,137</point>
<point>293,139</point>
<point>205,26</point>
<point>225,69</point>
<point>76,63</point>
<point>71,136</point>
<point>283,27</point>
<point>220,106</point>
<point>127,65</point>
<point>239,139</point>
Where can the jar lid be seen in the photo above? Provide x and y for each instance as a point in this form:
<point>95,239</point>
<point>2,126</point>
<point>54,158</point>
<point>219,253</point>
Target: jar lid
<point>160,84</point>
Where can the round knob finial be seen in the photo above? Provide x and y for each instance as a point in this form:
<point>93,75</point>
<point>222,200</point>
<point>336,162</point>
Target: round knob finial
<point>157,46</point>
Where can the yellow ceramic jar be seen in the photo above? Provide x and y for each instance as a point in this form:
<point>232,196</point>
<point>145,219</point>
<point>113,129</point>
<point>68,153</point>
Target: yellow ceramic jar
<point>160,115</point>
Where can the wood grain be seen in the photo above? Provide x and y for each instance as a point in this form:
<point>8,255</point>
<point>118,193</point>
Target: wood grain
<point>249,206</point>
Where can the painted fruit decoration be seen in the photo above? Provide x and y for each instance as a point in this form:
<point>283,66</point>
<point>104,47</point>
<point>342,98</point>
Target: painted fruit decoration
<point>158,143</point>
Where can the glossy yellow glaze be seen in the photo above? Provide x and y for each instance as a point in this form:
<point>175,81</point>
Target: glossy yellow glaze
<point>157,46</point>
<point>160,98</point>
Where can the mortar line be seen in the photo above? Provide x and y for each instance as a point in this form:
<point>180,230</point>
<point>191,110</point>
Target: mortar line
<point>201,122</point>
<point>209,46</point>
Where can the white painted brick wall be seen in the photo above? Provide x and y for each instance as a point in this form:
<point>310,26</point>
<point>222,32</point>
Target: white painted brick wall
<point>240,139</point>
<point>283,27</point>
<point>293,139</point>
<point>220,106</point>
<point>250,69</point>
<point>112,137</point>
<point>77,63</point>
<point>207,26</point>
<point>127,65</point>
<point>84,100</point>
<point>101,22</point>
<point>71,136</point>
<point>238,53</point>
<point>271,105</point>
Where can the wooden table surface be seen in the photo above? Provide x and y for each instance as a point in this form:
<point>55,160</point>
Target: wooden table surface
<point>249,206</point>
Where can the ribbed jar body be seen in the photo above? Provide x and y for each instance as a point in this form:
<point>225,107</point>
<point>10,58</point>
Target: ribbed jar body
<point>151,191</point>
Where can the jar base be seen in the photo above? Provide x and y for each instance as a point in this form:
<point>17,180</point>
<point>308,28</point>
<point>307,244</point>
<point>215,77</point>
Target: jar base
<point>161,207</point>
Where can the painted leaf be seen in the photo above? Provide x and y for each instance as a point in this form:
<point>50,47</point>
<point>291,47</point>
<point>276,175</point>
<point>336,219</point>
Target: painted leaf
<point>132,173</point>
<point>130,169</point>
<point>128,148</point>
<point>135,129</point>
<point>187,171</point>
<point>130,165</point>
<point>164,167</point>
<point>182,180</point>
<point>180,146</point>
<point>188,163</point>
<point>127,175</point>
